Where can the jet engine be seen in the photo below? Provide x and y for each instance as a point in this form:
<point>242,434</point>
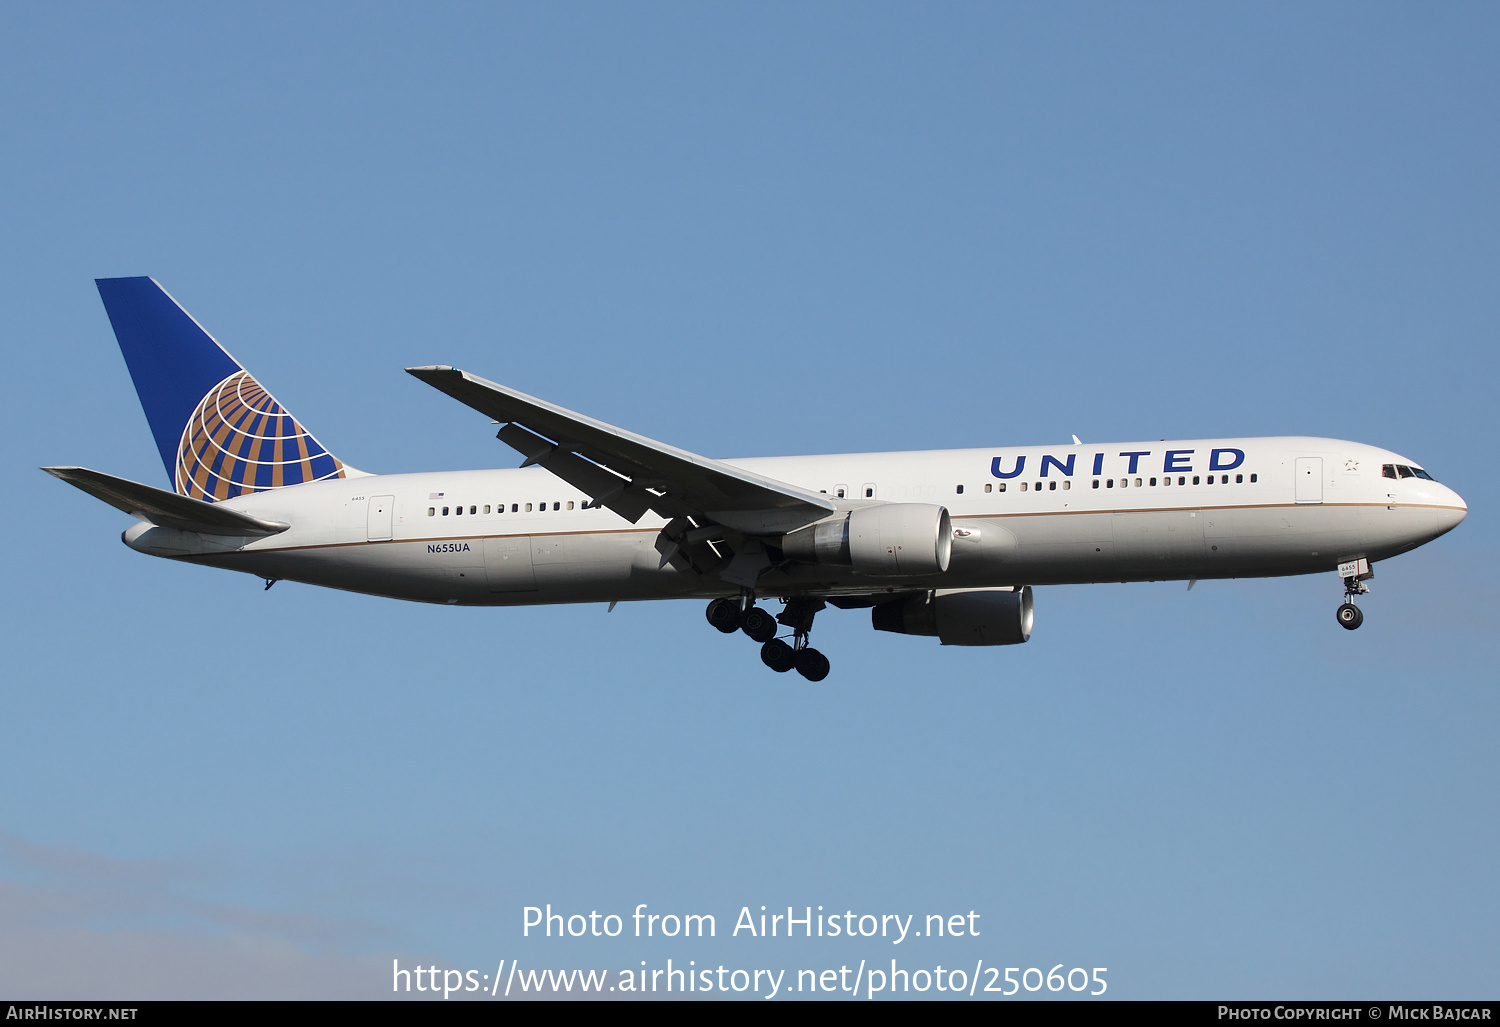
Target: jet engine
<point>979,616</point>
<point>889,539</point>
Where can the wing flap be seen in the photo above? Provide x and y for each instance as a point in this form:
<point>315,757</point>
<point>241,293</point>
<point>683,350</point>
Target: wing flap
<point>624,471</point>
<point>164,508</point>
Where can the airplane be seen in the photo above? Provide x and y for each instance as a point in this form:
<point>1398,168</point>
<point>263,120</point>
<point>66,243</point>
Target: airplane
<point>942,543</point>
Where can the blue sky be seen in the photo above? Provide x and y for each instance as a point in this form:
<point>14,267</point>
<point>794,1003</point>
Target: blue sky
<point>744,230</point>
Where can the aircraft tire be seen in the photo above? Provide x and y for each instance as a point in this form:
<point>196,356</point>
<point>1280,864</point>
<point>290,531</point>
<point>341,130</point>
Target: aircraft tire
<point>724,614</point>
<point>758,624</point>
<point>812,664</point>
<point>779,656</point>
<point>1350,616</point>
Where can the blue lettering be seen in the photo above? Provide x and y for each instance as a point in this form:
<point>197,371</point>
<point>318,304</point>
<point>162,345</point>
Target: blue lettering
<point>1135,461</point>
<point>1098,463</point>
<point>995,467</point>
<point>1173,458</point>
<point>1213,459</point>
<point>1066,468</point>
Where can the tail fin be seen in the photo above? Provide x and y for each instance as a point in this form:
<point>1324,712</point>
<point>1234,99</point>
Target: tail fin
<point>220,433</point>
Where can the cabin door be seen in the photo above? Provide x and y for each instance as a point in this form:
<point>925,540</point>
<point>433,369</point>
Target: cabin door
<point>378,518</point>
<point>1309,479</point>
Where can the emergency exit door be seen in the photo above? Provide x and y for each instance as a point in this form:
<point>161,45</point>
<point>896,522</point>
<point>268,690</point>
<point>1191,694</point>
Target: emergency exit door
<point>1309,479</point>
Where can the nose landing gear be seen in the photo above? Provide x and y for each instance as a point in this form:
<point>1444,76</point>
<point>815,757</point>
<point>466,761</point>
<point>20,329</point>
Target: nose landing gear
<point>1354,573</point>
<point>781,655</point>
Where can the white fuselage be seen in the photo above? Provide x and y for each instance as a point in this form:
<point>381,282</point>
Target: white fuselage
<point>1021,516</point>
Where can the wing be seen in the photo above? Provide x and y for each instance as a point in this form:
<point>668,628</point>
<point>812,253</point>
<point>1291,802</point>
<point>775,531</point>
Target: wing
<point>630,473</point>
<point>165,508</point>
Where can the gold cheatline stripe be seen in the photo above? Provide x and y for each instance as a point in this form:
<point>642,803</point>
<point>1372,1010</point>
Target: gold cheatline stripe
<point>968,517</point>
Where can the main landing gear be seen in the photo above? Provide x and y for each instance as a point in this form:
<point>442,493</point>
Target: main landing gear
<point>730,615</point>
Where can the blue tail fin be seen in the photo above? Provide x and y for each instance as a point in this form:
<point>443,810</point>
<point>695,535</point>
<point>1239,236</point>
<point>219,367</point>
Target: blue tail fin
<point>220,434</point>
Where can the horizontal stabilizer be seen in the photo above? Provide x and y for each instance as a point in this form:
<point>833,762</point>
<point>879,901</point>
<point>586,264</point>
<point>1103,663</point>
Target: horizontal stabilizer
<point>646,474</point>
<point>164,508</point>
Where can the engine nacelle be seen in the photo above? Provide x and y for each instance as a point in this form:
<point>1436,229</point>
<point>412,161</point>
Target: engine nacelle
<point>889,539</point>
<point>979,616</point>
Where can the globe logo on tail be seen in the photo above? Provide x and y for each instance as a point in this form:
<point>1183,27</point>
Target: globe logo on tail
<point>240,440</point>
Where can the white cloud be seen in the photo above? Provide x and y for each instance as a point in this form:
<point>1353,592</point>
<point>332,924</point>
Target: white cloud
<point>86,964</point>
<point>96,927</point>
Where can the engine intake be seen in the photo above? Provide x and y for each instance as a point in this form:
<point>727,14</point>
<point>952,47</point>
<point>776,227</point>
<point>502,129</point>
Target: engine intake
<point>889,539</point>
<point>980,616</point>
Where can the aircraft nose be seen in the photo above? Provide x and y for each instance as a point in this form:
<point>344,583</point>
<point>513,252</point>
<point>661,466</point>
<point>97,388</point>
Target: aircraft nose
<point>1452,513</point>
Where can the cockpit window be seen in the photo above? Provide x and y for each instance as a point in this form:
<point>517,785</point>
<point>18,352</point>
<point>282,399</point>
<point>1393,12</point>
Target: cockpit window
<point>1388,470</point>
<point>1422,474</point>
<point>1405,471</point>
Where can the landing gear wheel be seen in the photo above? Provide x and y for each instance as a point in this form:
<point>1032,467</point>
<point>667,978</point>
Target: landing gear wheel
<point>779,656</point>
<point>1350,616</point>
<point>758,624</point>
<point>724,614</point>
<point>812,664</point>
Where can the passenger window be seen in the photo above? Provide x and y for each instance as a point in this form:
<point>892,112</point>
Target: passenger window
<point>1138,483</point>
<point>1405,471</point>
<point>570,504</point>
<point>988,487</point>
<point>1153,483</point>
<point>528,508</point>
<point>458,511</point>
<point>1210,479</point>
<point>1387,470</point>
<point>1067,485</point>
<point>557,505</point>
<point>1002,486</point>
<point>869,492</point>
<point>486,508</point>
<point>1023,486</point>
<point>1195,479</point>
<point>1109,483</point>
<point>839,490</point>
<point>1096,483</point>
<point>430,511</point>
<point>514,506</point>
<point>1166,481</point>
<point>1254,478</point>
<point>472,508</point>
<point>960,490</point>
<point>1051,486</point>
<point>1124,483</point>
<point>1239,479</point>
<point>445,511</point>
